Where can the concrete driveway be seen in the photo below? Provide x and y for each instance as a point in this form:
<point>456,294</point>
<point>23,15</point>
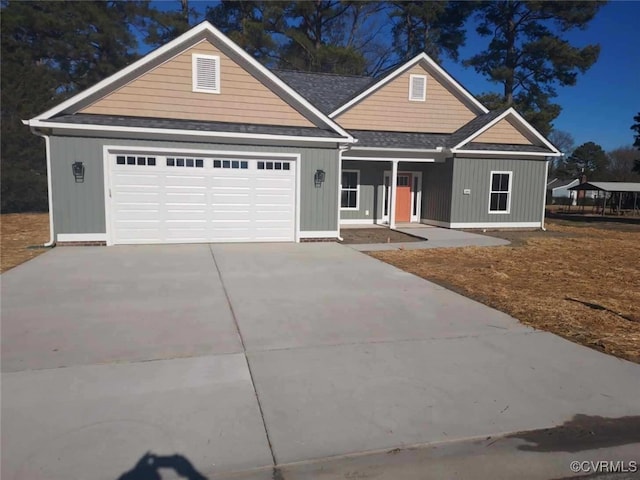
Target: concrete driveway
<point>239,356</point>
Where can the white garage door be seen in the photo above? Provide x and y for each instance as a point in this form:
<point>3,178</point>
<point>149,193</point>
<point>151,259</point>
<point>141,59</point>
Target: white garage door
<point>189,199</point>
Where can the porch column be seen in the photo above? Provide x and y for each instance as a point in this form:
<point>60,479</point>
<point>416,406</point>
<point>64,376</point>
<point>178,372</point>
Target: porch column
<point>394,186</point>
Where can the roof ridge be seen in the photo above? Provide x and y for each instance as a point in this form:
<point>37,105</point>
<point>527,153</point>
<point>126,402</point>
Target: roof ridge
<point>328,74</point>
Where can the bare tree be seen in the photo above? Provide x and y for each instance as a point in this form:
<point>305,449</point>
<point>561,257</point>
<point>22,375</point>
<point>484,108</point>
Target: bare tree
<point>621,162</point>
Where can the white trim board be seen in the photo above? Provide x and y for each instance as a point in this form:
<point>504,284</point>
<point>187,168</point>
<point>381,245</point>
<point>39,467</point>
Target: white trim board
<point>439,223</point>
<point>496,225</point>
<point>320,234</point>
<point>172,131</point>
<point>360,221</point>
<point>422,57</point>
<point>81,237</point>
<point>189,38</point>
<point>357,190</point>
<point>422,97</point>
<point>509,192</point>
<point>195,73</point>
<point>505,153</point>
<point>387,149</point>
<point>390,159</point>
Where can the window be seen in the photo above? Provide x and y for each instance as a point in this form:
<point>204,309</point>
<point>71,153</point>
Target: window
<point>139,161</point>
<point>417,88</point>
<point>184,162</point>
<point>273,166</point>
<point>350,189</point>
<point>500,192</point>
<point>402,181</point>
<point>206,73</point>
<point>230,164</point>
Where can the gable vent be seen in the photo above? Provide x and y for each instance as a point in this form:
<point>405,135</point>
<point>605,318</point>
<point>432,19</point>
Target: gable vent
<point>417,88</point>
<point>206,73</point>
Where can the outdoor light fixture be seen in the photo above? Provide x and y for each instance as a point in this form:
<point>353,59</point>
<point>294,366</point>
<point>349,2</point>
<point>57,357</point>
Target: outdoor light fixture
<point>78,171</point>
<point>318,178</point>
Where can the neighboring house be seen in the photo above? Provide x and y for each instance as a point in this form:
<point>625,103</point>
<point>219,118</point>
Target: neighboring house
<point>198,142</point>
<point>560,189</point>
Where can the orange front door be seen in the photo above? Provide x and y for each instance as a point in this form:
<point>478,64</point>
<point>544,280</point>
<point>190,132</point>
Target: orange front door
<point>403,198</point>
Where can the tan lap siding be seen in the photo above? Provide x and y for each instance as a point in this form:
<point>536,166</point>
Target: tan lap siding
<point>503,132</point>
<point>389,108</point>
<point>166,92</point>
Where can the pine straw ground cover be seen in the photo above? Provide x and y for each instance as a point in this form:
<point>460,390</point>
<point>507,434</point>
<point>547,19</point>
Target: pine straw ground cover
<point>20,231</point>
<point>535,282</point>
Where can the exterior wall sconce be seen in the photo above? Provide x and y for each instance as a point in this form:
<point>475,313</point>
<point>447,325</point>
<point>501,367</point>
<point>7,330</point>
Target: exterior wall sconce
<point>78,171</point>
<point>318,178</point>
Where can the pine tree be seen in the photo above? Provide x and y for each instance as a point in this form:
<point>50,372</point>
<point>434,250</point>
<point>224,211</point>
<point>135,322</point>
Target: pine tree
<point>50,51</point>
<point>529,56</point>
<point>588,159</point>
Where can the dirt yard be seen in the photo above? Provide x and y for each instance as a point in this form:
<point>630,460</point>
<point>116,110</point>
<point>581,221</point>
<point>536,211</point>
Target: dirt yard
<point>581,282</point>
<point>19,232</point>
<point>375,235</point>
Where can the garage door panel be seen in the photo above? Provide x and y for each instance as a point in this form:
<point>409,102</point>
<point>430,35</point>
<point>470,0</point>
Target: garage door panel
<point>176,204</point>
<point>140,181</point>
<point>126,216</point>
<point>185,198</point>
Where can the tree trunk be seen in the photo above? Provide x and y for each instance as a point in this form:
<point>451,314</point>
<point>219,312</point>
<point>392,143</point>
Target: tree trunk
<point>510,60</point>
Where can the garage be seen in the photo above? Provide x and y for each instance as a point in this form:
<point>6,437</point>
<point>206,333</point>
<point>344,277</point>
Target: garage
<point>198,198</point>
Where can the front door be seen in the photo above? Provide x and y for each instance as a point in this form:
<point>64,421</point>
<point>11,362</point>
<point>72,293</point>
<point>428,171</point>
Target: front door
<point>403,199</point>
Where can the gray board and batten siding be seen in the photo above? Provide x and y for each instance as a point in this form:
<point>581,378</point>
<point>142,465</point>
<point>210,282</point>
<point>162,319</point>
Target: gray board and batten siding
<point>436,191</point>
<point>527,190</point>
<point>80,207</point>
<point>443,186</point>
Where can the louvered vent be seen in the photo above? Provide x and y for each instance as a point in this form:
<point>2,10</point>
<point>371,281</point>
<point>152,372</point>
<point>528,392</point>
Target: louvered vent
<point>417,88</point>
<point>206,73</point>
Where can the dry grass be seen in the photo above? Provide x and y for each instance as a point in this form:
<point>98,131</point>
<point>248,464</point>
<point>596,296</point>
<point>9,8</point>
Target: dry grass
<point>534,282</point>
<point>19,231</point>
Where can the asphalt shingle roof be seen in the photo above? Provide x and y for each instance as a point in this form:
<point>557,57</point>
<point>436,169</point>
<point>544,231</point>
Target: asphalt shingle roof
<point>471,127</point>
<point>369,138</point>
<point>145,122</point>
<point>506,147</point>
<point>326,91</point>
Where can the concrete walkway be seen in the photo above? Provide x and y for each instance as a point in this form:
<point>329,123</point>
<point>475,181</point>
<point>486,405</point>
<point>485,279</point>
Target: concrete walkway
<point>435,237</point>
<point>243,357</point>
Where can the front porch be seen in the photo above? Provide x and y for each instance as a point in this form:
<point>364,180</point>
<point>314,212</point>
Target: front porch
<point>412,236</point>
<point>395,192</point>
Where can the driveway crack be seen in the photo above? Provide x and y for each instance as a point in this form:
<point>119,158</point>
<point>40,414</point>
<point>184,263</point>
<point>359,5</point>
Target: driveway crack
<point>244,351</point>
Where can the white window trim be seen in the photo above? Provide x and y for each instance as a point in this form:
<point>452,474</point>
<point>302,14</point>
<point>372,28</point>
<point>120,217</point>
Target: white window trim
<point>424,90</point>
<point>194,72</point>
<point>508,210</point>
<point>357,190</point>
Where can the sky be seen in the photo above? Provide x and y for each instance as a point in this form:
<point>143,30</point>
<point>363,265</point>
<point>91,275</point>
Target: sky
<point>601,106</point>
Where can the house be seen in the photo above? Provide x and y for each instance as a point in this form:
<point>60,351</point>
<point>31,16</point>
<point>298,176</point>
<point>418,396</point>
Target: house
<point>198,142</point>
<point>558,190</point>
